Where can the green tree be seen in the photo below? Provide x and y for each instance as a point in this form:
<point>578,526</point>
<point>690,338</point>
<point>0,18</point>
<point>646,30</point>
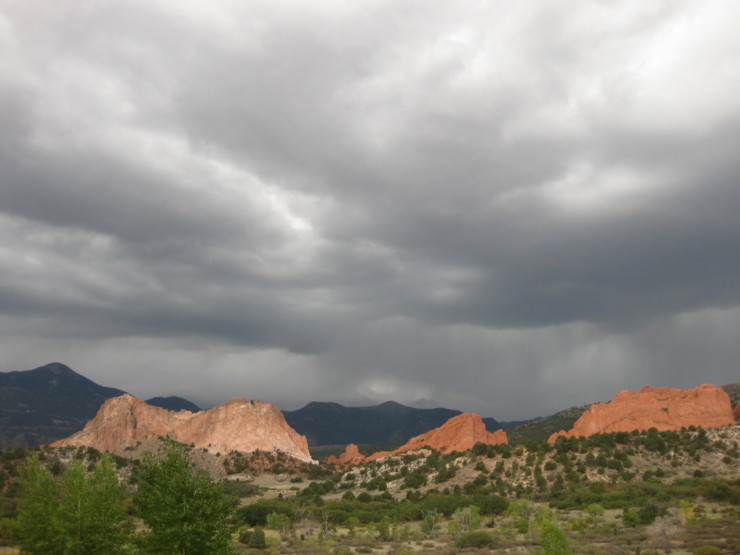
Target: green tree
<point>279,522</point>
<point>83,514</point>
<point>466,519</point>
<point>522,511</point>
<point>430,522</point>
<point>92,513</point>
<point>186,512</point>
<point>553,540</point>
<point>37,525</point>
<point>630,518</point>
<point>352,523</point>
<point>384,528</point>
<point>257,539</point>
<point>594,510</point>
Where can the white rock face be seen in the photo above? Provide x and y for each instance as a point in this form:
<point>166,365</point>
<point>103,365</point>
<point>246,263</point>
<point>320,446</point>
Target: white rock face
<point>238,425</point>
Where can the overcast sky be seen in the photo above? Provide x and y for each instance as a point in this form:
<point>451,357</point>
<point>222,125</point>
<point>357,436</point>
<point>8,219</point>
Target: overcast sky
<point>506,207</point>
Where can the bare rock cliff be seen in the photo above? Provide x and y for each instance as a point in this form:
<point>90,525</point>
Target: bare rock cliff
<point>238,425</point>
<point>663,408</point>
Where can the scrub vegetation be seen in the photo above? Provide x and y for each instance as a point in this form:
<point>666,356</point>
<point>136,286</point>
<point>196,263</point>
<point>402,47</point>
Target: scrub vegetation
<point>641,492</point>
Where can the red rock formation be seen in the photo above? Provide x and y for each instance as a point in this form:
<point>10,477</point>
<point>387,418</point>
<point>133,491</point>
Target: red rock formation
<point>737,412</point>
<point>238,425</point>
<point>459,433</point>
<point>350,456</point>
<point>663,408</point>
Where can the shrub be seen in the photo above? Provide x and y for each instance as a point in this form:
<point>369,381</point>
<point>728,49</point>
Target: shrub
<point>553,540</point>
<point>430,522</point>
<point>255,514</point>
<point>244,536</point>
<point>445,504</point>
<point>467,518</point>
<point>707,550</point>
<point>257,539</point>
<point>476,538</point>
<point>630,518</point>
<point>594,510</point>
<point>414,480</point>
<point>649,513</point>
<point>490,504</point>
<point>279,522</point>
<point>240,489</point>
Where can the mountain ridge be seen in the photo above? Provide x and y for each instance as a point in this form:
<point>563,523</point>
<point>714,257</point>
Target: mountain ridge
<point>329,423</point>
<point>47,403</point>
<point>53,401</point>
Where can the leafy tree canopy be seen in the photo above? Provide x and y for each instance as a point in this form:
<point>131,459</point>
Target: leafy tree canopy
<point>185,511</point>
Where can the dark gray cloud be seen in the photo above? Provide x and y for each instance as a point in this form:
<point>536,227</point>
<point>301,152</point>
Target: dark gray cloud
<point>508,209</point>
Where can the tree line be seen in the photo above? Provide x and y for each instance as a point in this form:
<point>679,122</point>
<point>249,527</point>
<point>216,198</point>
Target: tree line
<point>85,512</point>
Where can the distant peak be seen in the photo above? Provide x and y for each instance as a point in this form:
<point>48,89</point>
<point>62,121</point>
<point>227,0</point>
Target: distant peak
<point>318,404</point>
<point>425,404</point>
<point>173,402</point>
<point>57,368</point>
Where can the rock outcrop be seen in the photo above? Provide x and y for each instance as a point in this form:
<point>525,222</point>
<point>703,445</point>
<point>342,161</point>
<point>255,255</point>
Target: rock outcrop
<point>238,425</point>
<point>350,456</point>
<point>737,412</point>
<point>663,408</point>
<point>459,433</point>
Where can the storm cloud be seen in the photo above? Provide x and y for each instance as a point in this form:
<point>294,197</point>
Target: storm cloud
<point>509,208</point>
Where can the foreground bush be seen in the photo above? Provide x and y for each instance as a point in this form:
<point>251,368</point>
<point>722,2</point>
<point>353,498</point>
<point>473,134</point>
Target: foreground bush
<point>477,538</point>
<point>553,540</point>
<point>257,539</point>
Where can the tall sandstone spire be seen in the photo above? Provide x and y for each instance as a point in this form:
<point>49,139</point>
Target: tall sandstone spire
<point>238,425</point>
